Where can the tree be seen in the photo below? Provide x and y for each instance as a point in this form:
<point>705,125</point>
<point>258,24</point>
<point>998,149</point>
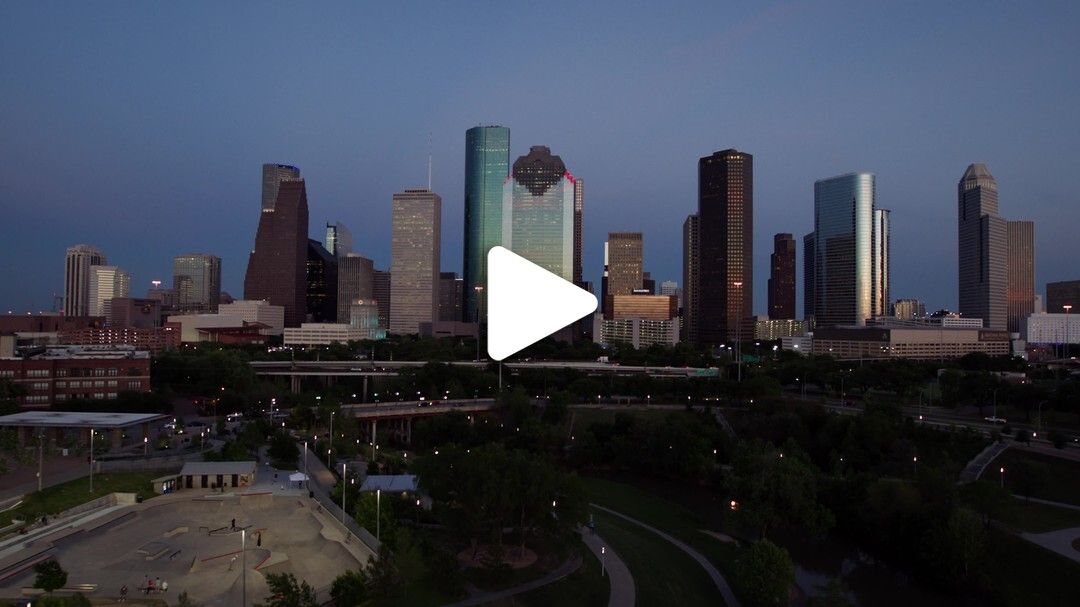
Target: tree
<point>283,448</point>
<point>775,487</point>
<point>49,576</point>
<point>350,588</point>
<point>968,537</point>
<point>833,594</point>
<point>286,592</point>
<point>765,574</point>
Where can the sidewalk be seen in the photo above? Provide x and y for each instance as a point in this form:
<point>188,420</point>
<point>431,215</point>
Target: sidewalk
<point>623,592</point>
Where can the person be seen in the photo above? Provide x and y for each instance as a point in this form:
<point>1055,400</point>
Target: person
<point>149,586</point>
<point>123,593</point>
<point>164,585</point>
<point>233,524</point>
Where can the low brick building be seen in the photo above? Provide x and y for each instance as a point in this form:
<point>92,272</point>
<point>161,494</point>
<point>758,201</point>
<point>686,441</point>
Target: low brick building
<point>56,374</point>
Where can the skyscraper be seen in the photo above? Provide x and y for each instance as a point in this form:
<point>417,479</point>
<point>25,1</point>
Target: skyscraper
<point>451,292</point>
<point>197,282</point>
<point>579,224</point>
<point>809,275</point>
<point>624,265</point>
<point>277,267</point>
<point>538,212</point>
<point>487,163</point>
<point>380,288</point>
<point>691,259</point>
<point>338,239</point>
<point>77,266</point>
<point>844,250</point>
<point>782,278</point>
<point>982,249</point>
<point>272,175</point>
<point>881,263</point>
<point>106,283</point>
<point>414,260</point>
<point>908,309</point>
<point>1020,273</point>
<point>322,284</point>
<point>726,212</point>
<point>356,280</point>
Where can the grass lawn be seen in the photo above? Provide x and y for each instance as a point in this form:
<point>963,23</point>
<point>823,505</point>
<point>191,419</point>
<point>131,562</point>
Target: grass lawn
<point>583,588</point>
<point>1024,574</point>
<point>663,574</point>
<point>1040,518</point>
<point>1061,476</point>
<point>58,498</point>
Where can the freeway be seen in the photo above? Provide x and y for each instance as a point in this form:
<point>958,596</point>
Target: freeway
<point>359,368</point>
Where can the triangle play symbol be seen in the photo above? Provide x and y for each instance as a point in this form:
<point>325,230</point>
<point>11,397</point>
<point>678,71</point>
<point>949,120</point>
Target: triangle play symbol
<point>526,303</point>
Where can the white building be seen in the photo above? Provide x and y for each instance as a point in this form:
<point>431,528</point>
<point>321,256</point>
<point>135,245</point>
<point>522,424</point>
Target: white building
<point>638,332</point>
<point>106,282</point>
<point>191,323</point>
<point>322,334</point>
<point>1052,329</point>
<point>799,344</point>
<point>256,310</point>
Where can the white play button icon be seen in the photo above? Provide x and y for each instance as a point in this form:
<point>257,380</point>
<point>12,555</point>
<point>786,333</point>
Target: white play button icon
<point>526,303</point>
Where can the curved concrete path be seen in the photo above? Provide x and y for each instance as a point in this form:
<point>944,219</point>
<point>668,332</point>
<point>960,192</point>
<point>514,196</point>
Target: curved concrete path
<point>721,583</point>
<point>564,570</point>
<point>622,582</point>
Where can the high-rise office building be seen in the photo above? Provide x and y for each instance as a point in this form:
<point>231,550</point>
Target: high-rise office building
<point>80,258</point>
<point>881,263</point>
<point>380,288</point>
<point>670,287</point>
<point>451,296</point>
<point>322,284</point>
<point>624,264</point>
<point>414,260</point>
<point>1061,294</point>
<point>982,249</point>
<point>538,211</point>
<point>106,283</point>
<point>648,285</point>
<point>338,239</point>
<point>272,175</point>
<point>691,258</point>
<point>356,280</point>
<point>197,282</point>
<point>726,251</point>
<point>844,250</point>
<point>487,164</point>
<point>579,225</point>
<point>1020,273</point>
<point>809,275</point>
<point>277,267</point>
<point>782,278</point>
<point>908,309</point>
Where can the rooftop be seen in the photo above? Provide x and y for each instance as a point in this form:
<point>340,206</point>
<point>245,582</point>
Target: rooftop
<point>200,468</point>
<point>79,419</point>
<point>390,483</point>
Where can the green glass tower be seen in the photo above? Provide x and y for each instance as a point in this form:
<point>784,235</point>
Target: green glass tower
<point>487,164</point>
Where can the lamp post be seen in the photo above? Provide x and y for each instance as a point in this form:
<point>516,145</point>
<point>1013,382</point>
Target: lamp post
<point>145,445</point>
<point>344,471</point>
<point>306,485</point>
<point>603,561</point>
<point>378,515</point>
<point>40,457</point>
<point>1067,308</point>
<point>915,464</point>
<point>243,562</point>
<point>1001,472</point>
<point>330,447</point>
<point>91,460</point>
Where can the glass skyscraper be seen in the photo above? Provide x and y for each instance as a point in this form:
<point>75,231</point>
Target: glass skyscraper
<point>487,163</point>
<point>538,212</point>
<point>197,282</point>
<point>844,250</point>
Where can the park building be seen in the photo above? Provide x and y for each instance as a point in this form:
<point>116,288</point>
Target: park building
<point>215,475</point>
<point>908,342</point>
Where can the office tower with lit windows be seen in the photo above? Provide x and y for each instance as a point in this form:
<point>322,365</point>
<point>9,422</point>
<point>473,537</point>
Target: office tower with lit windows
<point>451,296</point>
<point>881,263</point>
<point>782,278</point>
<point>809,275</point>
<point>908,309</point>
<point>106,283</point>
<point>624,253</point>
<point>844,250</point>
<point>579,226</point>
<point>1019,273</point>
<point>338,239</point>
<point>356,280</point>
<point>487,164</point>
<point>414,260</point>
<point>277,266</point>
<point>197,282</point>
<point>726,265</point>
<point>982,249</point>
<point>77,269</point>
<point>691,258</point>
<point>380,288</point>
<point>538,212</point>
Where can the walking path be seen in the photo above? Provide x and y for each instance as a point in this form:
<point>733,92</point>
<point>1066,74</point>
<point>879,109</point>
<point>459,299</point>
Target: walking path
<point>622,582</point>
<point>564,570</point>
<point>1059,541</point>
<point>1047,502</point>
<point>721,583</point>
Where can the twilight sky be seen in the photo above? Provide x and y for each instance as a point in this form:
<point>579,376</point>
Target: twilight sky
<point>141,127</point>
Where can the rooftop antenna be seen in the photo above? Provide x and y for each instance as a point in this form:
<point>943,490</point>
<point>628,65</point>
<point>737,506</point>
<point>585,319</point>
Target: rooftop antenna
<point>429,161</point>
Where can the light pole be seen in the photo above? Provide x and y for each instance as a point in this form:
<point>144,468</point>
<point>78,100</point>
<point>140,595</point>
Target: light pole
<point>378,515</point>
<point>603,561</point>
<point>1067,308</point>
<point>243,562</point>
<point>344,471</point>
<point>40,457</point>
<point>330,447</point>
<point>306,477</point>
<point>1001,472</point>
<point>915,464</point>
<point>145,445</point>
<point>91,460</point>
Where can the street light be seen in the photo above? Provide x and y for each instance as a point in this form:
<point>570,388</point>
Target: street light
<point>91,460</point>
<point>1001,471</point>
<point>145,445</point>
<point>378,513</point>
<point>344,472</point>
<point>243,562</point>
<point>1067,308</point>
<point>306,485</point>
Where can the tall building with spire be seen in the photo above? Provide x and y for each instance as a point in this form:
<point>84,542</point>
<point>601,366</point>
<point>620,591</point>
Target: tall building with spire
<point>782,278</point>
<point>77,269</point>
<point>487,164</point>
<point>277,266</point>
<point>982,249</point>
<point>726,250</point>
<point>538,212</point>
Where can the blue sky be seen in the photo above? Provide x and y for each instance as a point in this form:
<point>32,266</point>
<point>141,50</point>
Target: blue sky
<point>141,127</point>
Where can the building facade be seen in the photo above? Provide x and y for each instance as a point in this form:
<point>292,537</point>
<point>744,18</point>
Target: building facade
<point>451,296</point>
<point>487,164</point>
<point>381,290</point>
<point>256,311</point>
<point>277,267</point>
<point>272,176</point>
<point>1019,273</point>
<point>107,283</point>
<point>881,262</point>
<point>623,254</point>
<point>134,312</point>
<point>80,258</point>
<point>322,284</point>
<point>338,239</point>
<point>64,373</point>
<point>356,280</point>
<point>323,334</point>
<point>726,250</point>
<point>809,276</point>
<point>579,227</point>
<point>414,260</point>
<point>364,315</point>
<point>538,212</point>
<point>844,250</point>
<point>982,249</point>
<point>917,343</point>
<point>197,282</point>
<point>769,329</point>
<point>691,259</point>
<point>1052,328</point>
<point>782,278</point>
<point>907,309</point>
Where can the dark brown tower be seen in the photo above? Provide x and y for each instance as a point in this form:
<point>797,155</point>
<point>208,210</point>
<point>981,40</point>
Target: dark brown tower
<point>277,268</point>
<point>782,278</point>
<point>726,268</point>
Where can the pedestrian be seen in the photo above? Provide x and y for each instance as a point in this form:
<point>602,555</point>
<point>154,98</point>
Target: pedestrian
<point>234,524</point>
<point>123,593</point>
<point>258,540</point>
<point>149,586</point>
<point>164,585</point>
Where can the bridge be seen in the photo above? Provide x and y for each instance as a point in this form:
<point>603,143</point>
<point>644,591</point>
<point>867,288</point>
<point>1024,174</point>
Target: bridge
<point>397,417</point>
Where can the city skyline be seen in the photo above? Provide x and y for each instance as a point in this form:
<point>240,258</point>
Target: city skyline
<point>139,204</point>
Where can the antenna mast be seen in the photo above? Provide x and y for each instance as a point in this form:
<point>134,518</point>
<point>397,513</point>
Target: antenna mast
<point>429,161</point>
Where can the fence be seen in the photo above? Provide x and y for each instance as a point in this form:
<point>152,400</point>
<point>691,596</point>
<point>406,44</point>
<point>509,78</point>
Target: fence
<point>351,527</point>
